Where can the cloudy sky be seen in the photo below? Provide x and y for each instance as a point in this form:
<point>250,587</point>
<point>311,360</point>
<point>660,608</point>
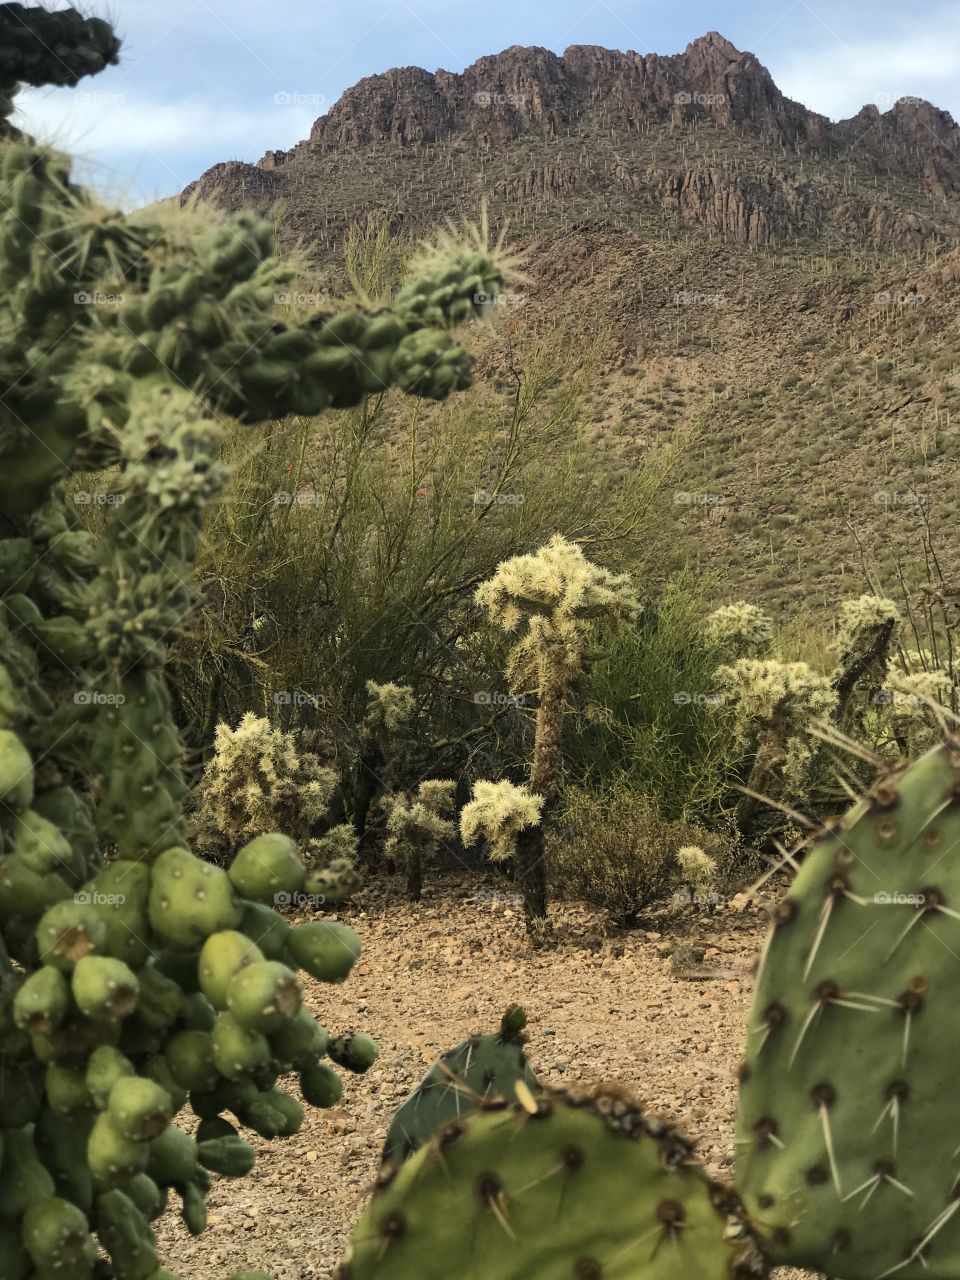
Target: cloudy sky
<point>208,80</point>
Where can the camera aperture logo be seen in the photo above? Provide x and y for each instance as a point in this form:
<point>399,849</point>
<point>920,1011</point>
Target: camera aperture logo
<point>298,899</point>
<point>93,898</point>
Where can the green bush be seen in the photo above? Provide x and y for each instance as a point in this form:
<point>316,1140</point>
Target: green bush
<point>614,848</point>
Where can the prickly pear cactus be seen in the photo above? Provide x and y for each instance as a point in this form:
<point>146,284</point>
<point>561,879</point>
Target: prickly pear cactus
<point>133,986</point>
<point>570,1186</point>
<point>476,1071</point>
<point>847,1155</point>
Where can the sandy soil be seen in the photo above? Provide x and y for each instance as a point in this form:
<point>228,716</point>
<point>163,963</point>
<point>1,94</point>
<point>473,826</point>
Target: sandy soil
<point>615,1006</point>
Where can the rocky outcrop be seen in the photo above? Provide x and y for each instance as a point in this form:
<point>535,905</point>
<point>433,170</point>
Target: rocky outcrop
<point>234,186</point>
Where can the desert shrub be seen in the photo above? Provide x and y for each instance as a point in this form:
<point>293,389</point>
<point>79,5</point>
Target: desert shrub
<point>650,708</point>
<point>614,848</point>
<point>260,779</point>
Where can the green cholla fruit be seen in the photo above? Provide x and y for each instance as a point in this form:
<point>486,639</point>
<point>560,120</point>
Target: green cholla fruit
<point>161,1002</point>
<point>214,1127</point>
<point>68,932</point>
<point>588,1187</point>
<point>172,1158</point>
<point>274,1114</point>
<point>42,1002</point>
<point>479,1070</point>
<point>194,1211</point>
<point>146,1195</point>
<point>267,928</point>
<point>16,772</point>
<point>299,1042</point>
<point>63,1150</point>
<point>158,1070</point>
<point>40,846</point>
<point>356,1052</point>
<point>23,1179</point>
<point>139,1109</point>
<point>66,1090</point>
<point>267,869</point>
<point>220,957</point>
<point>26,895</point>
<point>105,1067</point>
<point>228,1155</point>
<point>236,1051</point>
<point>320,1085</point>
<point>335,883</point>
<point>57,1238</point>
<point>197,1013</point>
<point>126,1234</point>
<point>120,892</point>
<point>105,989</point>
<point>190,1059</point>
<point>325,949</point>
<point>189,899</point>
<point>112,1157</point>
<point>263,996</point>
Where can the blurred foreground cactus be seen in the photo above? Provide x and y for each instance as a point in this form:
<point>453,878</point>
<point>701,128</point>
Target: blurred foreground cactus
<point>135,983</point>
<point>846,1154</point>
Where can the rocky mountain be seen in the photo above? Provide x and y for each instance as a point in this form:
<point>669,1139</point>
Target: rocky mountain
<point>790,281</point>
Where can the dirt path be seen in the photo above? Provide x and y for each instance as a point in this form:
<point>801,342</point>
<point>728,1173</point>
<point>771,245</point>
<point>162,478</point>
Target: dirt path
<point>430,975</point>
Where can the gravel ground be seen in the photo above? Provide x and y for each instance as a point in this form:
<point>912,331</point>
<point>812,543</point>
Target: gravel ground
<point>662,1010</point>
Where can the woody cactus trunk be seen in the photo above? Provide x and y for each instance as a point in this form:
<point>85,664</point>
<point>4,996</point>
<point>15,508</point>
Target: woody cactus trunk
<point>135,983</point>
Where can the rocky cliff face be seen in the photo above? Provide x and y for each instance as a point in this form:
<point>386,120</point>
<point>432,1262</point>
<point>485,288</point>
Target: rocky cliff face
<point>616,128</point>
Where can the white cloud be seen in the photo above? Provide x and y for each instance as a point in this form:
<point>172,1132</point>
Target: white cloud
<point>838,78</point>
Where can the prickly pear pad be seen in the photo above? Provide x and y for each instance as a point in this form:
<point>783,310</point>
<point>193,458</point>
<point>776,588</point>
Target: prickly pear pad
<point>847,1142</point>
<point>580,1186</point>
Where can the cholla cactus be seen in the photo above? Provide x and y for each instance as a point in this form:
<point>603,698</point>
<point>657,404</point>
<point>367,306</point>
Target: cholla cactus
<point>560,593</point>
<point>498,813</point>
<point>416,823</point>
<point>741,630</point>
<point>339,843</point>
<point>774,702</point>
<point>391,707</point>
<point>696,866</point>
<point>859,620</point>
<point>257,780</point>
<point>910,701</point>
